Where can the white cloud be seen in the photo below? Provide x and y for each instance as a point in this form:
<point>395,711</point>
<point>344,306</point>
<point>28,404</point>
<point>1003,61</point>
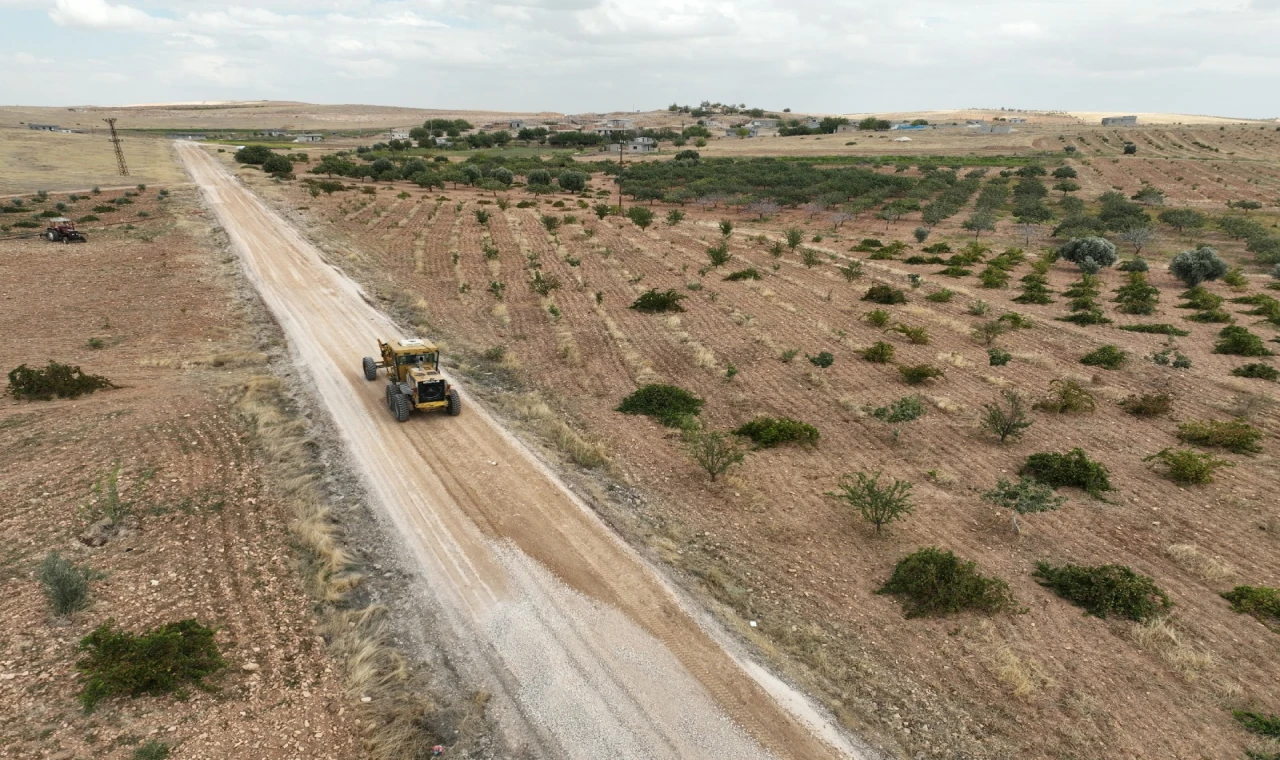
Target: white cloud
<point>99,14</point>
<point>1021,29</point>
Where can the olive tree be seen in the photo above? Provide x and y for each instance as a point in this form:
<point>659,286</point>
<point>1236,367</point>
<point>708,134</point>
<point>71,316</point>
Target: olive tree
<point>1197,266</point>
<point>1098,251</point>
<point>574,182</point>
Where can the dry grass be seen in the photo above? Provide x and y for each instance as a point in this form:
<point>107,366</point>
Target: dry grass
<point>536,415</point>
<point>64,162</point>
<point>358,637</point>
<point>1159,636</point>
<point>1194,560</point>
<point>955,359</point>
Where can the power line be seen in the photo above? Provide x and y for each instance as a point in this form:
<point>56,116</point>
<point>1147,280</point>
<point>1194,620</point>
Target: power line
<point>115,140</point>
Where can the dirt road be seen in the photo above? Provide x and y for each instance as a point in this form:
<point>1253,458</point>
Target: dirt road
<point>597,655</point>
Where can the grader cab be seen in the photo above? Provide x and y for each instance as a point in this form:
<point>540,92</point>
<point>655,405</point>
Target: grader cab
<point>414,380</point>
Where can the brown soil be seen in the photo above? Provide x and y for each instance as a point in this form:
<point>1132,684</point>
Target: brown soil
<point>208,537</point>
<point>766,545</point>
<point>608,664</point>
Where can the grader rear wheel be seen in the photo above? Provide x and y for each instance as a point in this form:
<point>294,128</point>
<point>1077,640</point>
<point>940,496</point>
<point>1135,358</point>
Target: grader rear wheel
<point>455,403</point>
<point>403,406</point>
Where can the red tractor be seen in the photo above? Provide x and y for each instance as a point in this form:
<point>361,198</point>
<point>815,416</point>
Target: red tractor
<point>63,230</point>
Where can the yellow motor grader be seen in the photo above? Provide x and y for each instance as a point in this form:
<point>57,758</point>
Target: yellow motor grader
<point>413,378</point>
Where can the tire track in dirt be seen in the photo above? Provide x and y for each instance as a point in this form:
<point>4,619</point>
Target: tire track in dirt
<point>458,489</point>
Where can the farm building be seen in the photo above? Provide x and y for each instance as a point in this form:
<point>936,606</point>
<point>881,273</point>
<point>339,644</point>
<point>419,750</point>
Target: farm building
<point>309,137</point>
<point>638,145</point>
<point>274,133</point>
<point>399,134</point>
<point>45,127</point>
<point>516,124</point>
<point>1017,120</point>
<point>813,123</point>
<point>982,128</point>
<point>1120,121</point>
<point>846,128</point>
<point>907,126</point>
<point>764,124</point>
<point>612,126</point>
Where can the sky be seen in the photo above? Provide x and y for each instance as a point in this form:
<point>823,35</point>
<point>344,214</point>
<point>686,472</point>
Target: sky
<point>1217,57</point>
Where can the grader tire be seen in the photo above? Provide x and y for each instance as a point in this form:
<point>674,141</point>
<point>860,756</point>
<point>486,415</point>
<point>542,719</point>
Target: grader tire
<point>391,396</point>
<point>370,369</point>
<point>403,406</point>
<point>455,403</point>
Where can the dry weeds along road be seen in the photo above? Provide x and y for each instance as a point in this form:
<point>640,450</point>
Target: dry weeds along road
<point>594,652</point>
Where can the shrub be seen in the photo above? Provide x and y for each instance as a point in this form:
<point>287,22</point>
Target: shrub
<point>876,504</point>
<point>655,301</point>
<point>59,380</point>
<point>1136,264</point>
<point>1156,329</point>
<point>1008,420</point>
<point>955,272</point>
<point>1107,357</point>
<point>994,277</point>
<point>277,165</point>
<point>879,352</point>
<point>1257,371</point>
<point>916,335</point>
<point>851,270</point>
<point>810,258</point>
<point>1236,436</point>
<point>1073,469</point>
<point>156,662</point>
<point>1104,590</point>
<point>877,317</point>
<point>544,284</point>
<point>87,218</point>
<point>1148,404</point>
<point>253,154</point>
<point>668,404</point>
<point>935,582</point>
<point>66,585</point>
<point>719,254</point>
<point>1237,341</point>
<point>824,359</point>
<point>1257,723</point>
<point>998,357</point>
<point>1137,296</point>
<point>919,373</point>
<point>750,273</point>
<point>1035,289</point>
<point>1186,467</point>
<point>640,216</point>
<point>713,451</point>
<point>767,432</point>
<point>788,354</point>
<point>905,409</point>
<point>1197,266</point>
<point>1100,251</point>
<point>978,308</point>
<point>152,750</point>
<point>940,296</point>
<point>1066,396</point>
<point>1198,298</point>
<point>987,332</point>
<point>883,294</point>
<point>1260,601</point>
<point>1025,497</point>
<point>726,227</point>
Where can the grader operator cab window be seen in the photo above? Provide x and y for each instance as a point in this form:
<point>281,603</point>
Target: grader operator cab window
<point>427,361</point>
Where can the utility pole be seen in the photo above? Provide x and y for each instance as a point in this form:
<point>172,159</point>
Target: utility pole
<point>115,140</point>
<point>619,173</point>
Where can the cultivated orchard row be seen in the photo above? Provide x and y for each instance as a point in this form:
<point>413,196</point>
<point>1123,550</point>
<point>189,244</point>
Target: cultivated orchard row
<point>556,297</point>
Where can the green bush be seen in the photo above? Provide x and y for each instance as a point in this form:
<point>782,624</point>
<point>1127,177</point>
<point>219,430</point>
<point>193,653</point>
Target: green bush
<point>1257,723</point>
<point>998,357</point>
<point>1104,590</point>
<point>1016,320</point>
<point>1073,469</point>
<point>1157,329</point>
<point>66,584</point>
<point>935,582</point>
<point>713,451</point>
<point>654,301</point>
<point>670,405</point>
<point>1262,602</point>
<point>824,359</point>
<point>877,317</point>
<point>253,154</point>
<point>1237,341</point>
<point>940,296</point>
<point>1257,371</point>
<point>1107,357</point>
<point>916,335</point>
<point>878,505</point>
<point>883,294</point>
<point>1008,420</point>
<point>1186,467</point>
<point>1236,436</point>
<point>27,224</point>
<point>767,432</point>
<point>1066,397</point>
<point>1025,497</point>
<point>1200,299</point>
<point>152,750</point>
<point>1148,404</point>
<point>905,409</point>
<point>156,662</point>
<point>719,254</point>
<point>879,352</point>
<point>61,380</point>
<point>750,273</point>
<point>915,374</point>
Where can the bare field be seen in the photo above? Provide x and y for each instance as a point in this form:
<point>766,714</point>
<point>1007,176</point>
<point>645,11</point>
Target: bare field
<point>61,162</point>
<point>766,545</point>
<point>207,534</point>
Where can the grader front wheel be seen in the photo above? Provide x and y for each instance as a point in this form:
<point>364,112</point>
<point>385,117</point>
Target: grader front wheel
<point>370,369</point>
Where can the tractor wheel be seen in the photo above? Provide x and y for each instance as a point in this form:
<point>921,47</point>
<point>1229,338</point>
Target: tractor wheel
<point>52,236</point>
<point>370,369</point>
<point>391,396</point>
<point>403,406</point>
<point>455,403</point>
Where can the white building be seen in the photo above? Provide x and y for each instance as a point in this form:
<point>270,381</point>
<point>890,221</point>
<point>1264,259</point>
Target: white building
<point>399,134</point>
<point>638,145</point>
<point>309,137</point>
